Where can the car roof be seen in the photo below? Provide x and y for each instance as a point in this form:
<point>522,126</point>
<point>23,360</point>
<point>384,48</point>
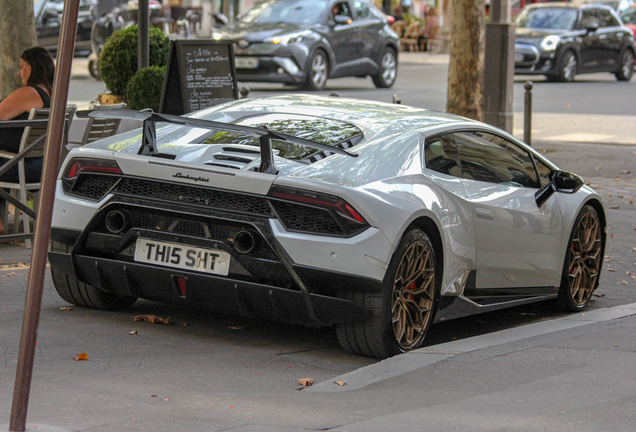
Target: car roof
<point>370,116</point>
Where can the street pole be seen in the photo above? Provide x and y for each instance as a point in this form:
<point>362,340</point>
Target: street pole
<point>499,65</point>
<point>35,284</point>
<point>143,35</point>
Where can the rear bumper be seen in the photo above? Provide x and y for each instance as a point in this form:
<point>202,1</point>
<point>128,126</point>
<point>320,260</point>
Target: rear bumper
<point>220,293</point>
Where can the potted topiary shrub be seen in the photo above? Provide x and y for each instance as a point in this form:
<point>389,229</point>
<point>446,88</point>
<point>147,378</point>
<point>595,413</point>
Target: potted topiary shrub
<point>118,58</point>
<point>144,88</point>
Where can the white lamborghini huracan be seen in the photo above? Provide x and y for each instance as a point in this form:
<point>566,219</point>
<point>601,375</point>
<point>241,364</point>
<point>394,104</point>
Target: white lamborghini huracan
<point>375,218</point>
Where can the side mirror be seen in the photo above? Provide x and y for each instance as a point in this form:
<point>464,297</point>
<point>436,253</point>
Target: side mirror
<point>342,19</point>
<point>560,181</point>
<point>591,26</point>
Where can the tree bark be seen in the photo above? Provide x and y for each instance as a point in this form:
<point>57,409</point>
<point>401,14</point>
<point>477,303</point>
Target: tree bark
<point>17,33</point>
<point>466,66</point>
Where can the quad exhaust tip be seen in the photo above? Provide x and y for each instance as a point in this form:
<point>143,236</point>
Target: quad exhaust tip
<point>246,242</point>
<point>117,221</point>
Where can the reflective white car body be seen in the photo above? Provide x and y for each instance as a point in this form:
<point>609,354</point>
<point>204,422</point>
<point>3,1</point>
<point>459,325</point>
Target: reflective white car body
<point>496,245</point>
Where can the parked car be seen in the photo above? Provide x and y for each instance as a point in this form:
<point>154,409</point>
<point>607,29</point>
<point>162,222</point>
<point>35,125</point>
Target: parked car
<point>563,40</point>
<point>302,42</point>
<point>376,218</point>
<point>618,5</point>
<point>48,22</point>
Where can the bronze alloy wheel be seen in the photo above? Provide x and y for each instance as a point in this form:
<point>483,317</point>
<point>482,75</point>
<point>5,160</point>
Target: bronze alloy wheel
<point>404,310</point>
<point>585,258</point>
<point>413,295</point>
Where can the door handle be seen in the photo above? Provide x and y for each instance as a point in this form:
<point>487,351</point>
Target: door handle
<point>485,213</point>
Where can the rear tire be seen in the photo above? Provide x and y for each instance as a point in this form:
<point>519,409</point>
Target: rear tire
<point>386,75</point>
<point>582,263</point>
<point>626,68</point>
<point>404,310</point>
<point>80,294</point>
<point>567,67</point>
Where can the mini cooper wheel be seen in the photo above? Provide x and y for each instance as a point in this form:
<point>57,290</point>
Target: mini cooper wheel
<point>80,294</point>
<point>404,310</point>
<point>387,73</point>
<point>318,71</point>
<point>567,67</point>
<point>583,260</point>
<point>626,68</point>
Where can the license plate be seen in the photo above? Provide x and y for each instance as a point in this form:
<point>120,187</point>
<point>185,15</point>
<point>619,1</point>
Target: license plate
<point>518,58</point>
<point>245,62</point>
<point>182,256</point>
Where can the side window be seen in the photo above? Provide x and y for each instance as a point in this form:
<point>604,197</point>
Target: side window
<point>610,19</point>
<point>607,18</point>
<point>544,172</point>
<point>440,154</point>
<point>490,158</point>
<point>341,8</point>
<point>589,17</point>
<point>362,9</point>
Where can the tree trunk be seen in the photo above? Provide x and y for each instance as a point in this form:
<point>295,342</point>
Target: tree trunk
<point>466,67</point>
<point>17,33</point>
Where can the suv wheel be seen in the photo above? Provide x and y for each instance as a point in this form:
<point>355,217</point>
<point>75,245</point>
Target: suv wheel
<point>318,71</point>
<point>626,68</point>
<point>385,77</point>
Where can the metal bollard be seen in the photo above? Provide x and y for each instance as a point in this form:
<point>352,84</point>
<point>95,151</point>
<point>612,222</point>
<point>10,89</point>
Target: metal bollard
<point>527,114</point>
<point>244,91</point>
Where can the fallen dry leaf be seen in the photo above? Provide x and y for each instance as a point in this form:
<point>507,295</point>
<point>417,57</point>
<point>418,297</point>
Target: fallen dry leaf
<point>612,235</point>
<point>340,383</point>
<point>184,324</point>
<point>598,295</point>
<point>153,395</point>
<point>152,319</point>
<point>623,282</point>
<point>66,308</point>
<point>611,269</point>
<point>306,382</point>
<point>617,179</point>
<point>614,207</point>
<point>608,260</point>
<point>598,168</point>
<point>625,172</point>
<point>235,328</point>
<point>80,357</point>
<point>133,333</point>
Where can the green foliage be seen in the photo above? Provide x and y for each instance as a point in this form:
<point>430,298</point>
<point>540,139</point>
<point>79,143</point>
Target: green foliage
<point>118,59</point>
<point>144,88</point>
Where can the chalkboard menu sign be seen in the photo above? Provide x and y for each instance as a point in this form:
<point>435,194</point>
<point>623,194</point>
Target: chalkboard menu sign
<point>199,74</point>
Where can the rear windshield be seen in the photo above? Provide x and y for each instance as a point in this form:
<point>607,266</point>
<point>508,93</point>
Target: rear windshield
<point>330,132</point>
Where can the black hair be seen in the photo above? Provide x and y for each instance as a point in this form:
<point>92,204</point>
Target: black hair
<point>42,67</point>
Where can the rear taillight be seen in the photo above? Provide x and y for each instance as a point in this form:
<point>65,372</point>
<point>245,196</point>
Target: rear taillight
<point>90,178</point>
<point>78,166</point>
<point>348,219</point>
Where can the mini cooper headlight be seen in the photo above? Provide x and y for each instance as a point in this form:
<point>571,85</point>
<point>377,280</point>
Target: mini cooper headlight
<point>550,43</point>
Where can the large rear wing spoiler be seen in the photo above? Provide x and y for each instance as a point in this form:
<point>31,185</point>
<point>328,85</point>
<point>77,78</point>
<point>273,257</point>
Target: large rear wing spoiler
<point>265,136</point>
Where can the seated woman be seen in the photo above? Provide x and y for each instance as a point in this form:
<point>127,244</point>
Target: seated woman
<point>36,72</point>
<point>430,30</point>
